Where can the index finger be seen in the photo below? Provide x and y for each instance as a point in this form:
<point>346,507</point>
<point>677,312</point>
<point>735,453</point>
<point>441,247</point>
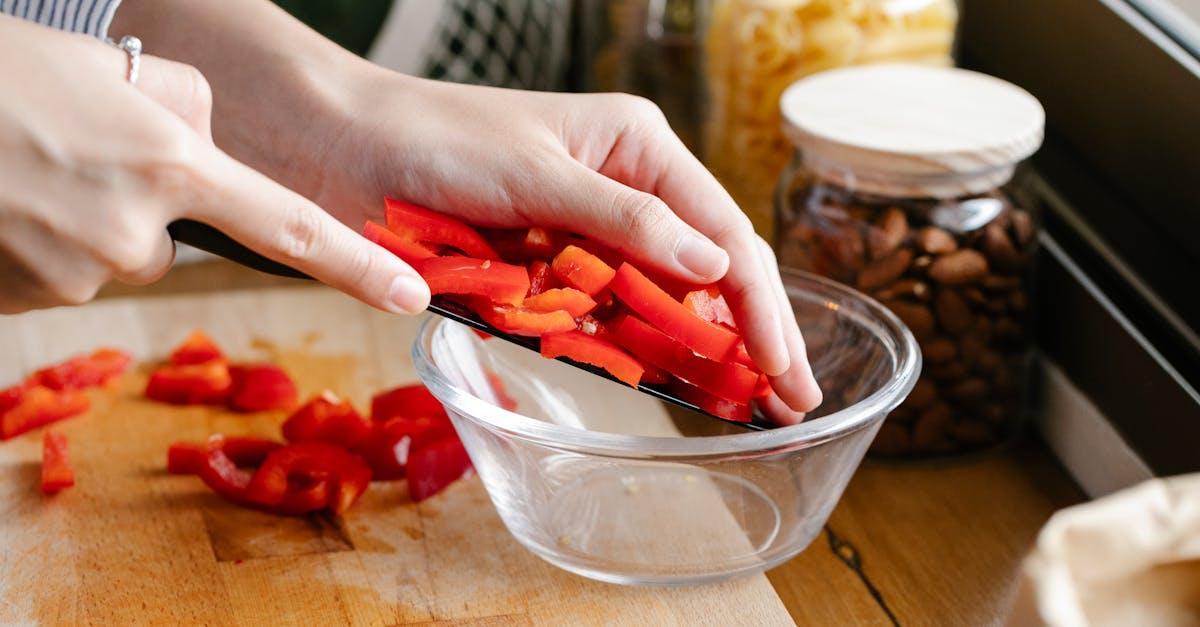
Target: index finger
<point>286,227</point>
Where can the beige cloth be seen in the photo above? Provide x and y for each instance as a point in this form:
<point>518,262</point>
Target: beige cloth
<point>1131,558</point>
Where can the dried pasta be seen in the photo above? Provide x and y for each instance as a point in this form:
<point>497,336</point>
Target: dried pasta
<point>754,49</point>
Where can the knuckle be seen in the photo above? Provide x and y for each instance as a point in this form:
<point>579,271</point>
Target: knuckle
<point>738,228</point>
<point>75,292</point>
<point>639,108</point>
<point>196,91</point>
<point>301,236</point>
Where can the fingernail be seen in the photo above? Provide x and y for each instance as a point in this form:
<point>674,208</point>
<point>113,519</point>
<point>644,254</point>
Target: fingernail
<point>408,294</point>
<point>702,257</point>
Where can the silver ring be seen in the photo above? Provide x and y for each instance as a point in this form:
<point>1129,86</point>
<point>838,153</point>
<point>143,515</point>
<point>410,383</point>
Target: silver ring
<point>132,47</point>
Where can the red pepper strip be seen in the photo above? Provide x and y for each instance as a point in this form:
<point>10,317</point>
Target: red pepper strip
<point>714,405</point>
<point>57,474</point>
<point>419,224</point>
<point>519,321</point>
<point>186,458</point>
<point>541,243</point>
<point>727,380</point>
<point>222,475</point>
<point>540,277</point>
<point>565,299</point>
<point>582,270</point>
<point>762,389</point>
<point>408,401</point>
<point>198,348</point>
<point>84,371</point>
<point>495,280</point>
<point>208,383</point>
<point>261,387</point>
<point>740,356</point>
<point>436,465</point>
<point>10,397</point>
<point>710,305</point>
<point>304,495</point>
<point>581,347</point>
<point>409,251</point>
<point>654,375</point>
<point>347,472</point>
<point>670,316</point>
<point>39,405</point>
<point>501,391</point>
<point>386,449</point>
<point>327,418</point>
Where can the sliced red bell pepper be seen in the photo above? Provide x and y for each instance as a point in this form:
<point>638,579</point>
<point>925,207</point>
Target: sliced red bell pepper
<point>741,356</point>
<point>710,305</point>
<point>763,388</point>
<point>521,321</point>
<point>222,475</point>
<point>670,316</point>
<point>714,405</point>
<point>410,251</point>
<point>501,391</point>
<point>495,280</point>
<point>9,397</point>
<point>387,448</point>
<point>207,383</point>
<point>434,466</point>
<point>419,224</point>
<point>581,347</point>
<point>566,299</point>
<point>198,348</point>
<point>304,495</point>
<point>99,368</point>
<point>347,473</point>
<point>186,458</point>
<point>407,401</point>
<point>38,405</point>
<point>727,380</point>
<point>654,375</point>
<point>261,387</point>
<point>541,278</point>
<point>522,245</point>
<point>582,270</point>
<point>327,418</point>
<point>57,474</point>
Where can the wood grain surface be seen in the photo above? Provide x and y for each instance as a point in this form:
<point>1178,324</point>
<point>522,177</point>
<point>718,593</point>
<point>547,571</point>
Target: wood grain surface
<point>928,544</point>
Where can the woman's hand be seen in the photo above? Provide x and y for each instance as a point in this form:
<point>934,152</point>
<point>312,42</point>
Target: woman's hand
<point>92,169</point>
<point>605,165</point>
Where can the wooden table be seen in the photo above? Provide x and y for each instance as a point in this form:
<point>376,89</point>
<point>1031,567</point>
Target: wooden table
<point>909,543</point>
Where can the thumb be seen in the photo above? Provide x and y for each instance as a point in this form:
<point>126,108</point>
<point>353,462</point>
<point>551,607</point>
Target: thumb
<point>179,88</point>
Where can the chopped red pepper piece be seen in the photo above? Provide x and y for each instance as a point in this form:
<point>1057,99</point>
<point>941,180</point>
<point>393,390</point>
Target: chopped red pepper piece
<point>222,475</point>
<point>725,379</point>
<point>186,458</point>
<point>714,405</point>
<point>408,401</point>
<point>57,474</point>
<point>261,387</point>
<point>327,418</point>
<point>347,473</point>
<point>741,356</point>
<point>654,375</point>
<point>521,321</point>
<point>198,348</point>
<point>710,305</point>
<point>566,299</point>
<point>763,388</point>
<point>521,245</point>
<point>658,308</point>
<point>386,450</point>
<point>99,368</point>
<point>410,251</point>
<point>582,270</point>
<point>38,405</point>
<point>541,278</point>
<point>205,383</point>
<point>304,495</point>
<point>419,224</point>
<point>9,397</point>
<point>581,347</point>
<point>436,465</point>
<point>495,280</point>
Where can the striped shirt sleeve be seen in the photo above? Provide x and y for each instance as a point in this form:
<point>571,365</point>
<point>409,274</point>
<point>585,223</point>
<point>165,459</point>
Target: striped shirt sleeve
<point>90,17</point>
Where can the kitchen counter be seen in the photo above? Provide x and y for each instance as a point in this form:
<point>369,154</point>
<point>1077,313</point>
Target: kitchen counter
<point>915,543</point>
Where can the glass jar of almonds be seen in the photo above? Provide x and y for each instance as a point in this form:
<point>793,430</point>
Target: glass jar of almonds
<point>902,187</point>
<point>754,49</point>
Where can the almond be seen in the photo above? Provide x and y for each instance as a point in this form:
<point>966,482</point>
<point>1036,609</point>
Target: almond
<point>888,232</point>
<point>936,241</point>
<point>916,317</point>
<point>1022,227</point>
<point>952,312</point>
<point>959,268</point>
<point>939,351</point>
<point>911,288</point>
<point>999,248</point>
<point>883,271</point>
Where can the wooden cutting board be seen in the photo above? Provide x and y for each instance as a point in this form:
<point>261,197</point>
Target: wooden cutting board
<point>133,545</point>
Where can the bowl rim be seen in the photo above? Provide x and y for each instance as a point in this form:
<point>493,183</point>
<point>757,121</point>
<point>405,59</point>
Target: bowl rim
<point>793,437</point>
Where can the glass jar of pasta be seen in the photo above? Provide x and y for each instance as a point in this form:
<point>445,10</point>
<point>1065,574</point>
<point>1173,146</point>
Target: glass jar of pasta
<point>754,49</point>
<point>902,186</point>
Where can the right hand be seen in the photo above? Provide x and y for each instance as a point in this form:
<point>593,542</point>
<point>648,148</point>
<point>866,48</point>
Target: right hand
<point>93,169</point>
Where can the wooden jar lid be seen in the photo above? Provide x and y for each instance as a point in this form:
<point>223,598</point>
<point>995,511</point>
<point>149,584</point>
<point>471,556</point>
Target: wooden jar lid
<point>912,130</point>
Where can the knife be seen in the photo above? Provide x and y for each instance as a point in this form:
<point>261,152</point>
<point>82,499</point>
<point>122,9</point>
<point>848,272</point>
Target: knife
<point>208,238</point>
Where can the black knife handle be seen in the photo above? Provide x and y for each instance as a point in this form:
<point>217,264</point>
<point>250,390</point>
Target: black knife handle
<point>211,240</point>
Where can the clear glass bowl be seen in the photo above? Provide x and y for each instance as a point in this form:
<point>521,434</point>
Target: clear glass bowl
<point>611,484</point>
